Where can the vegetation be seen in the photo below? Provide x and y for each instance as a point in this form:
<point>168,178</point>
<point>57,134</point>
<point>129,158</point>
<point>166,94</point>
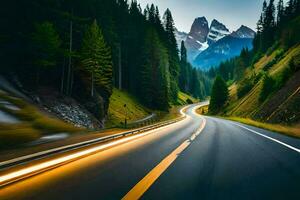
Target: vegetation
<point>96,59</point>
<point>291,131</point>
<point>203,110</point>
<point>184,98</point>
<point>85,48</point>
<point>118,111</point>
<point>219,95</point>
<point>191,80</point>
<point>266,89</point>
<point>33,124</point>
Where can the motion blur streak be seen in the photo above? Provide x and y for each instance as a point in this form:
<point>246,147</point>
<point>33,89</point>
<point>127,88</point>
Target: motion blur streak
<point>23,173</point>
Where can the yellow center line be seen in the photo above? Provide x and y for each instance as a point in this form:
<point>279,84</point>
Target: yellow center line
<point>142,186</point>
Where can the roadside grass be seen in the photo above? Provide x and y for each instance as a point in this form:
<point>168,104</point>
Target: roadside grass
<point>293,131</point>
<point>184,99</point>
<point>290,131</point>
<point>172,114</point>
<point>133,111</point>
<point>33,123</point>
<point>203,110</point>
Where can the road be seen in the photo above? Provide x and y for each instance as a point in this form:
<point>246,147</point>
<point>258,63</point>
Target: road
<point>197,158</point>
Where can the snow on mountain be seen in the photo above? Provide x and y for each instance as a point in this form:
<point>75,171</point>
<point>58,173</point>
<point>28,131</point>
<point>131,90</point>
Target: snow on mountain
<point>227,47</point>
<point>197,37</point>
<point>217,31</point>
<point>210,45</point>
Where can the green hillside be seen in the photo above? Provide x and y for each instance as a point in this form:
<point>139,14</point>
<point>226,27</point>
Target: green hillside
<point>184,98</point>
<point>266,80</point>
<point>133,111</point>
<point>282,105</point>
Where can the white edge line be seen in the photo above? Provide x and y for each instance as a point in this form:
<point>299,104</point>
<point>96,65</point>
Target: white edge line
<point>270,138</point>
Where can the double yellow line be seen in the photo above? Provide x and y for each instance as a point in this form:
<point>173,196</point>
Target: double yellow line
<point>141,187</point>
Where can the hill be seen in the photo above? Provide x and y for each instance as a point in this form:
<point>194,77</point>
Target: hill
<point>282,105</point>
<point>117,111</point>
<point>265,82</point>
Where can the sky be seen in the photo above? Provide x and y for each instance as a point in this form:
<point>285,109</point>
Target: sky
<point>232,13</point>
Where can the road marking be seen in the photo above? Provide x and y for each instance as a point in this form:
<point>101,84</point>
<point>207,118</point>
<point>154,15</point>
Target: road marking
<point>142,186</point>
<point>42,167</point>
<point>270,138</point>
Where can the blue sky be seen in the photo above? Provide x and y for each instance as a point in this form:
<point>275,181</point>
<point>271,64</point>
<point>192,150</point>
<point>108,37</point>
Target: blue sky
<point>233,13</point>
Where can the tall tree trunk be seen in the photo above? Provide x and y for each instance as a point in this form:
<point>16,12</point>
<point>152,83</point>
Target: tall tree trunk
<point>120,68</point>
<point>92,88</point>
<point>63,77</point>
<point>70,61</point>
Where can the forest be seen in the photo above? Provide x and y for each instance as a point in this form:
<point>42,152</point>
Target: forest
<point>83,49</point>
<point>277,31</point>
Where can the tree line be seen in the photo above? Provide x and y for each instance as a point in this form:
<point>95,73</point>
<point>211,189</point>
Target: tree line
<point>278,26</point>
<point>85,48</point>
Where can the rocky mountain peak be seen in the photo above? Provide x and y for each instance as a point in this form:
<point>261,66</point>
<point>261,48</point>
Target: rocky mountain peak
<point>244,32</point>
<point>199,29</point>
<point>217,31</point>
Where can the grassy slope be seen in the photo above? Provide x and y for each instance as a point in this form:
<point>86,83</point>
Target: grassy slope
<point>33,123</point>
<point>249,104</point>
<point>248,108</point>
<point>135,110</point>
<point>117,112</point>
<point>183,97</point>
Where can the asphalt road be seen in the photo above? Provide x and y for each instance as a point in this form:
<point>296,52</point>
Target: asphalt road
<point>197,158</point>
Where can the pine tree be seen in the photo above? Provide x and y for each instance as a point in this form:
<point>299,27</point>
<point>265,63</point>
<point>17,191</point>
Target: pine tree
<point>173,53</point>
<point>46,47</point>
<point>183,69</point>
<point>219,95</point>
<point>151,14</point>
<point>96,59</point>
<point>280,11</point>
<point>195,84</point>
<point>46,44</point>
<point>155,76</point>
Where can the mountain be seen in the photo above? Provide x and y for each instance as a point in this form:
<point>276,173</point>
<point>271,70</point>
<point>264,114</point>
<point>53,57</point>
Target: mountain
<point>217,31</point>
<point>225,48</point>
<point>210,45</point>
<point>243,32</point>
<point>196,40</point>
<point>201,36</point>
<point>180,36</point>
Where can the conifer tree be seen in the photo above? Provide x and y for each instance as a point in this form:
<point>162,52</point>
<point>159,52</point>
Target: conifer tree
<point>183,68</point>
<point>219,95</point>
<point>280,11</point>
<point>172,52</point>
<point>155,76</point>
<point>46,47</point>
<point>96,59</point>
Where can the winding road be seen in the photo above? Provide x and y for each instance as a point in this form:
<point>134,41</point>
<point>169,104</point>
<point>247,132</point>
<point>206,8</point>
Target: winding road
<point>196,158</point>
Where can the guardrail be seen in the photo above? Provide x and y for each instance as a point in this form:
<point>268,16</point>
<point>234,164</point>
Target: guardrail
<point>44,154</point>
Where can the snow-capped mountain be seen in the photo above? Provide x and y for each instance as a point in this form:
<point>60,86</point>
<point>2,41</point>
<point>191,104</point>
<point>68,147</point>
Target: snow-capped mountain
<point>217,31</point>
<point>210,45</point>
<point>197,38</point>
<point>201,36</point>
<point>225,48</point>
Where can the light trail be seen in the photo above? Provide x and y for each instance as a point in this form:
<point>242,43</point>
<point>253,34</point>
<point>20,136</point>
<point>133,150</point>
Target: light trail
<point>39,168</point>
